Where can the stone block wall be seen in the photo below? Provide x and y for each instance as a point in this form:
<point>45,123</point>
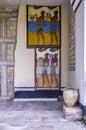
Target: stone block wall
<point>8,32</point>
<point>71,40</point>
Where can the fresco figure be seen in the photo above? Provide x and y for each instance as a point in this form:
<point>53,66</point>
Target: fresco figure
<point>54,64</point>
<point>53,20</point>
<point>44,69</point>
<point>39,21</point>
<point>39,71</point>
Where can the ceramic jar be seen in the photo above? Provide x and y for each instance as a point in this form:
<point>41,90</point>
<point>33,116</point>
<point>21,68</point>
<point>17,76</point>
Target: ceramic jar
<point>70,96</point>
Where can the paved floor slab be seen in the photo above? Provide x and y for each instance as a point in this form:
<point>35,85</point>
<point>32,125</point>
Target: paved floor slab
<point>35,116</point>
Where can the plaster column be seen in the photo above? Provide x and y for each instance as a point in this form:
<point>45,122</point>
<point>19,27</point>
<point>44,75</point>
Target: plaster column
<point>80,38</point>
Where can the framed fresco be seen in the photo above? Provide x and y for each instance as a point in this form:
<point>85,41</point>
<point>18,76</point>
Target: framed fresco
<point>47,68</point>
<point>43,26</point>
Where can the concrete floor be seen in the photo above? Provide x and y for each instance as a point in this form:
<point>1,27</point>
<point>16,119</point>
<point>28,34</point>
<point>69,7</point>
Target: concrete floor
<point>35,116</point>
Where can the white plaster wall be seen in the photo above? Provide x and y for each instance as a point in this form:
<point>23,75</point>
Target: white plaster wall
<point>64,46</point>
<point>79,29</point>
<point>24,58</point>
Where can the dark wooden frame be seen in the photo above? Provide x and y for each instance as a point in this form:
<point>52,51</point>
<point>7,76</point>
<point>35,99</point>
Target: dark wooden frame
<point>77,6</point>
<point>72,2</point>
<point>46,45</point>
<point>59,86</point>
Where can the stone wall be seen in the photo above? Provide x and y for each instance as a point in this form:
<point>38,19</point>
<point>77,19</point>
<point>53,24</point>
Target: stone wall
<point>71,40</point>
<point>8,31</point>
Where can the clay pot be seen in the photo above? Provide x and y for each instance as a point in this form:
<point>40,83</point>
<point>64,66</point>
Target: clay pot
<point>70,96</point>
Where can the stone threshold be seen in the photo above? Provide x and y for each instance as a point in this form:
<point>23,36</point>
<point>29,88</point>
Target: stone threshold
<point>35,99</point>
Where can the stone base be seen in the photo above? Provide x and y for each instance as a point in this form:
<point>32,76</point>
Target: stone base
<point>2,99</point>
<point>72,113</point>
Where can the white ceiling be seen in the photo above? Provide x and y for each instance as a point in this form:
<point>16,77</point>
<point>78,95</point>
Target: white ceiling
<point>34,2</point>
